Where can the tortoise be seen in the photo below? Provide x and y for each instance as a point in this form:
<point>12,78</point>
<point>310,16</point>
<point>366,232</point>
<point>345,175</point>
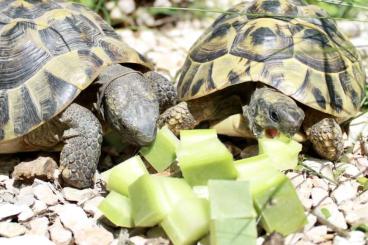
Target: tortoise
<point>64,74</point>
<point>282,64</point>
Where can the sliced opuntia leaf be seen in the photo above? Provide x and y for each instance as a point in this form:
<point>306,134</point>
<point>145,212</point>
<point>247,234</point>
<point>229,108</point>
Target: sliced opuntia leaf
<point>230,199</point>
<point>259,172</point>
<point>117,208</point>
<point>124,174</point>
<point>189,137</point>
<point>152,197</point>
<point>187,222</point>
<point>162,151</point>
<point>205,159</point>
<point>201,191</point>
<point>280,208</point>
<point>233,232</point>
<point>282,151</point>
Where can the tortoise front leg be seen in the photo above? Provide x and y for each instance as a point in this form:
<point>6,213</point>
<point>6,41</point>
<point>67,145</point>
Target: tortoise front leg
<point>81,152</point>
<point>326,137</point>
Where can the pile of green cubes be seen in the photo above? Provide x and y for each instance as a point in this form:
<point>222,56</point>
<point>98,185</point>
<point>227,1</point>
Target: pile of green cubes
<point>218,200</point>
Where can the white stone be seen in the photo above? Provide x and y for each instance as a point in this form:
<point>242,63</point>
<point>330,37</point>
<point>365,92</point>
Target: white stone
<point>73,217</point>
<point>311,221</point>
<point>59,234</point>
<point>44,193</point>
<point>93,236</point>
<point>26,239</point>
<point>318,195</point>
<point>91,206</point>
<point>8,210</point>
<point>39,226</point>
<point>345,191</point>
<point>126,6</point>
<point>11,229</point>
<point>317,234</point>
<point>355,238</point>
<point>26,214</point>
<point>39,206</point>
<point>325,168</point>
<point>294,238</point>
<point>76,195</point>
<point>320,183</point>
<point>138,240</point>
<point>335,216</point>
<point>349,170</point>
<point>116,14</point>
<point>359,215</point>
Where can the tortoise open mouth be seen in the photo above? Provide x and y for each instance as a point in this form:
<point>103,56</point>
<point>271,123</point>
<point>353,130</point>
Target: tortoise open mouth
<point>272,132</point>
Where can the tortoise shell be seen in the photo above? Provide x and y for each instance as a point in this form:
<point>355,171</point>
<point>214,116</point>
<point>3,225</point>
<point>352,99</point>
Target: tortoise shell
<point>285,44</point>
<point>49,52</point>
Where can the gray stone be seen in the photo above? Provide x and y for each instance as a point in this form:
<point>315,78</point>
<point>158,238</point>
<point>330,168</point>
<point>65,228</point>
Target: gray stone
<point>41,168</point>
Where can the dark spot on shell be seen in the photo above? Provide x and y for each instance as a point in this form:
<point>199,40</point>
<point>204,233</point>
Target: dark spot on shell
<point>196,86</point>
<point>26,117</point>
<point>320,99</point>
<point>233,77</point>
<point>336,101</point>
<point>262,35</point>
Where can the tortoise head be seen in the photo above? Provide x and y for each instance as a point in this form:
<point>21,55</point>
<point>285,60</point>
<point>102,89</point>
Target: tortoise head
<point>271,112</point>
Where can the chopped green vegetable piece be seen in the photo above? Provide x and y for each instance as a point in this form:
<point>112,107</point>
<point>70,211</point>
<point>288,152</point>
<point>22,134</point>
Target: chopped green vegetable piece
<point>153,197</point>
<point>326,213</point>
<point>204,159</point>
<point>280,208</point>
<point>260,174</point>
<point>117,208</point>
<point>189,137</point>
<point>230,199</point>
<point>201,191</point>
<point>187,222</point>
<point>205,240</point>
<point>283,151</point>
<point>162,152</point>
<point>125,173</point>
<point>233,232</point>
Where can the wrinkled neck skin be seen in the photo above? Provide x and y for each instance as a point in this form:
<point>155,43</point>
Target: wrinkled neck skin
<point>130,105</point>
<point>271,109</point>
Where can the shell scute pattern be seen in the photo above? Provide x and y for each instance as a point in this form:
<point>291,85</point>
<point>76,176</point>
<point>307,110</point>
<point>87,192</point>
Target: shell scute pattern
<point>49,52</point>
<point>304,57</point>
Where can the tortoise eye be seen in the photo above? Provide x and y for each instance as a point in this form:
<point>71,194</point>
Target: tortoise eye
<point>274,116</point>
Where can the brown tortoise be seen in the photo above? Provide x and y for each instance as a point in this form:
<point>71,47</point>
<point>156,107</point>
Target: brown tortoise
<point>283,64</point>
<point>58,59</point>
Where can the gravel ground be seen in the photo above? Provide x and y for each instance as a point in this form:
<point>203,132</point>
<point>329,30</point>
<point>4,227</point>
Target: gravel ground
<point>42,212</point>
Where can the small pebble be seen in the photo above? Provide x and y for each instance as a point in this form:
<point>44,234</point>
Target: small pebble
<point>11,229</point>
<point>8,210</point>
<point>44,193</point>
<point>73,217</point>
<point>39,226</point>
<point>345,191</point>
<point>331,213</point>
<point>59,234</point>
<point>317,234</point>
<point>76,195</point>
<point>93,236</point>
<point>355,238</point>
